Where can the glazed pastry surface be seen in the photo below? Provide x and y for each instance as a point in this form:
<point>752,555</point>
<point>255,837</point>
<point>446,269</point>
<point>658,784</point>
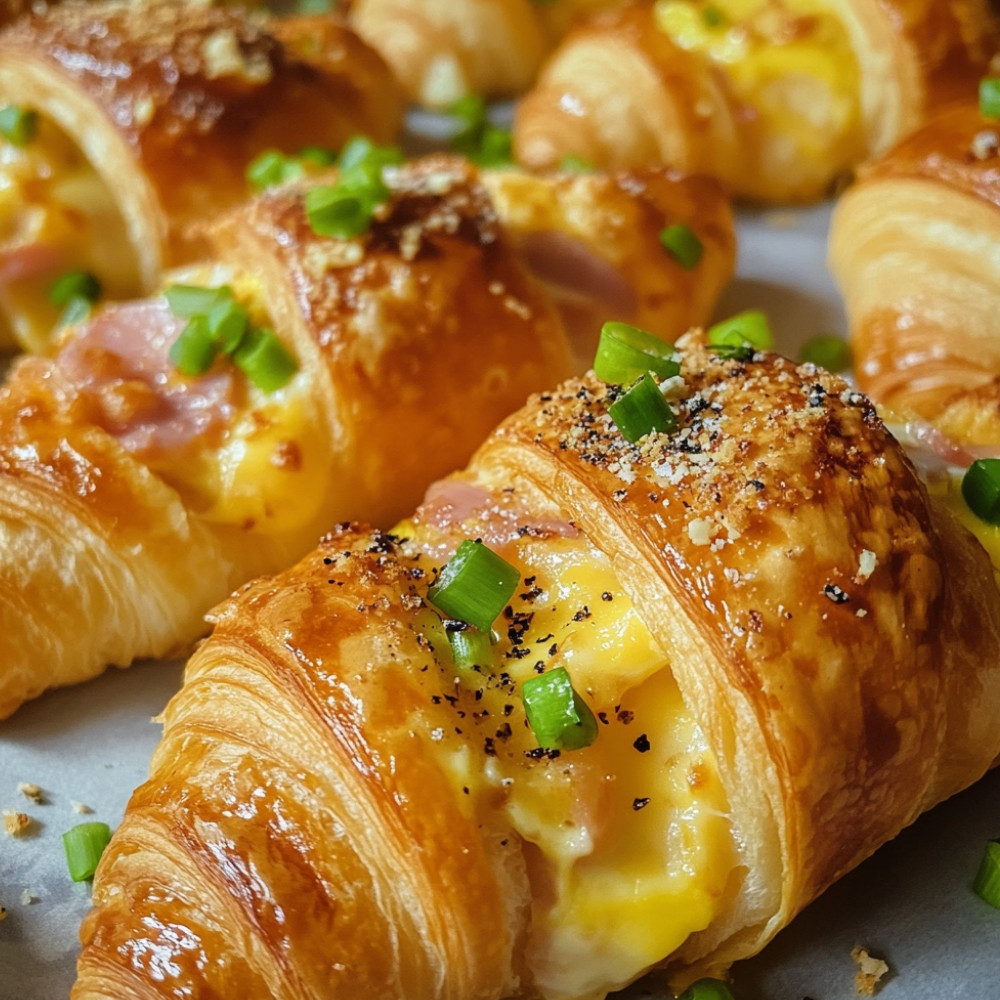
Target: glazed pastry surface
<point>790,651</point>
<point>148,117</point>
<point>779,100</point>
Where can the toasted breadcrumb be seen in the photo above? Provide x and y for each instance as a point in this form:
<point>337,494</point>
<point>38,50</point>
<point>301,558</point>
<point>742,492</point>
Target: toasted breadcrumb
<point>81,807</point>
<point>3,912</point>
<point>869,974</point>
<point>16,824</point>
<point>31,791</point>
<point>28,897</point>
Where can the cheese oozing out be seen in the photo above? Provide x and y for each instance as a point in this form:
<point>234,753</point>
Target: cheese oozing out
<point>56,215</point>
<point>628,841</point>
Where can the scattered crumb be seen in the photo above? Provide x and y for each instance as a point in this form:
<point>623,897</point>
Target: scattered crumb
<point>31,791</point>
<point>80,807</point>
<point>28,897</point>
<point>16,824</point>
<point>3,911</point>
<point>870,972</point>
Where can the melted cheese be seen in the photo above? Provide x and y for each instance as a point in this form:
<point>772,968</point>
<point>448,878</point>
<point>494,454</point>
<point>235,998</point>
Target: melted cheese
<point>630,846</point>
<point>791,61</point>
<point>56,215</point>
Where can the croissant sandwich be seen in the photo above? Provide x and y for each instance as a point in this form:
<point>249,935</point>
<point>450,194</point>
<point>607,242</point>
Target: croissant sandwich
<point>596,707</point>
<point>779,100</point>
<point>151,465</point>
<point>126,125</point>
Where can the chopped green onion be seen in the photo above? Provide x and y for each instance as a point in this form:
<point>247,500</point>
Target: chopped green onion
<point>227,322</point>
<point>741,335</point>
<point>271,168</point>
<point>332,211</point>
<point>625,352</point>
<point>987,880</point>
<point>712,16</point>
<point>558,716</point>
<point>827,351</point>
<point>193,352</point>
<point>195,300</point>
<point>474,585</point>
<point>76,310</point>
<point>981,489</point>
<point>682,244</point>
<point>84,844</point>
<point>642,410</point>
<point>576,164</point>
<point>989,97</point>
<point>75,285</point>
<point>477,138</point>
<point>264,359</point>
<point>18,125</point>
<point>470,647</point>
<point>707,989</point>
<point>360,150</point>
<point>318,155</point>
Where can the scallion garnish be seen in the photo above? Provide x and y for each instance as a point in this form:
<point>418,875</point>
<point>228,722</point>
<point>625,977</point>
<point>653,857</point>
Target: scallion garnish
<point>320,156</point>
<point>74,285</point>
<point>682,244</point>
<point>828,351</point>
<point>264,359</point>
<point>477,138</point>
<point>558,716</point>
<point>642,410</point>
<point>742,335</point>
<point>474,585</point>
<point>712,16</point>
<point>625,352</point>
<point>987,880</point>
<point>271,168</point>
<point>573,164</point>
<point>981,489</point>
<point>195,300</point>
<point>338,212</point>
<point>470,647</point>
<point>193,352</point>
<point>361,151</point>
<point>84,844</point>
<point>707,989</point>
<point>989,97</point>
<point>18,125</point>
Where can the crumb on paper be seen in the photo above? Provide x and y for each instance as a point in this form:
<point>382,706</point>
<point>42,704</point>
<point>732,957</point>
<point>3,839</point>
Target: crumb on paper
<point>869,974</point>
<point>28,897</point>
<point>81,807</point>
<point>16,824</point>
<point>31,791</point>
<point>3,912</point>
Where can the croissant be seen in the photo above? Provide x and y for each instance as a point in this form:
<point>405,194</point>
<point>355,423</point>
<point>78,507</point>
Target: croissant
<point>145,118</point>
<point>442,50</point>
<point>779,101</point>
<point>787,649</point>
<point>911,248</point>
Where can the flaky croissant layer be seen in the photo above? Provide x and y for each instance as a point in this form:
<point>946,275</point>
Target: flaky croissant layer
<point>789,650</point>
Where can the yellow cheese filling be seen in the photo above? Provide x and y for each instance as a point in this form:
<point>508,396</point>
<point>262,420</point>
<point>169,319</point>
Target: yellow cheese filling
<point>628,840</point>
<point>792,62</point>
<point>56,215</point>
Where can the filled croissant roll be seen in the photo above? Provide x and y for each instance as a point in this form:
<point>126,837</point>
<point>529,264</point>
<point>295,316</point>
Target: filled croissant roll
<point>128,125</point>
<point>779,100</point>
<point>443,50</point>
<point>912,248</point>
<point>601,705</point>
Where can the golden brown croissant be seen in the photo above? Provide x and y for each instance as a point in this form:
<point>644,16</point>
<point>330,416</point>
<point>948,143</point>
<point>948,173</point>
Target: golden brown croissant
<point>442,50</point>
<point>787,649</point>
<point>146,117</point>
<point>133,497</point>
<point>780,100</point>
<point>913,249</point>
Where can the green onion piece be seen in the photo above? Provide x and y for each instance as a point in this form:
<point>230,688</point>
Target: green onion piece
<point>474,585</point>
<point>84,844</point>
<point>75,285</point>
<point>625,352</point>
<point>76,310</point>
<point>334,211</point>
<point>558,716</point>
<point>987,880</point>
<point>827,351</point>
<point>989,97</point>
<point>18,125</point>
<point>981,489</point>
<point>477,138</point>
<point>470,647</point>
<point>712,16</point>
<point>707,989</point>
<point>272,168</point>
<point>682,244</point>
<point>642,410</point>
<point>360,150</point>
<point>741,335</point>
<point>193,352</point>
<point>227,323</point>
<point>194,300</point>
<point>576,164</point>
<point>264,359</point>
<point>318,155</point>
